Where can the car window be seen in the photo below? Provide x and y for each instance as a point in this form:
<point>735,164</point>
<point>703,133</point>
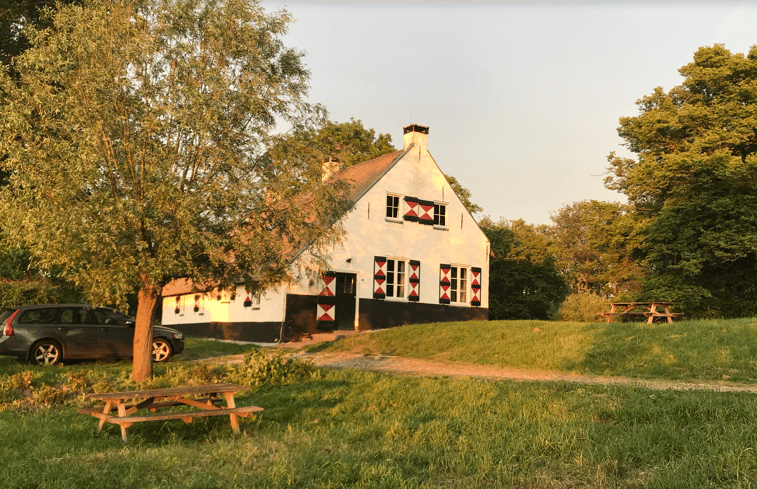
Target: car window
<point>110,317</point>
<point>6,314</point>
<point>73,315</point>
<point>38,316</point>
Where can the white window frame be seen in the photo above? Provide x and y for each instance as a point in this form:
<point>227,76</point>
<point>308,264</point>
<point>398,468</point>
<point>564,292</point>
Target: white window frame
<point>439,216</point>
<point>396,278</point>
<point>395,209</point>
<point>459,284</point>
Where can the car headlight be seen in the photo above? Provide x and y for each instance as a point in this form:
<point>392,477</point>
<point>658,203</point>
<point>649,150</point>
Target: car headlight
<point>178,336</point>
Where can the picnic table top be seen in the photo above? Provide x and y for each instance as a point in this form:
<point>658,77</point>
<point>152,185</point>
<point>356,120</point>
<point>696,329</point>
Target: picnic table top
<point>642,303</point>
<point>194,390</point>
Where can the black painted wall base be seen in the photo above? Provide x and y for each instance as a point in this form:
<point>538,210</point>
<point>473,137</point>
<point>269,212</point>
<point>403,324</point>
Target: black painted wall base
<point>256,332</point>
<point>301,312</point>
<point>380,314</point>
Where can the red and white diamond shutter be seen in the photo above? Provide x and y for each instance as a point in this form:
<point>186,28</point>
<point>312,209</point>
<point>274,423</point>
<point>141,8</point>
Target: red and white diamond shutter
<point>326,308</point>
<point>412,209</point>
<point>426,212</point>
<point>444,283</point>
<point>475,286</point>
<point>414,295</point>
<point>328,285</point>
<point>379,277</point>
<point>325,312</point>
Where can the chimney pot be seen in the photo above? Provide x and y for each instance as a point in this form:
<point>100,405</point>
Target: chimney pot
<point>417,135</point>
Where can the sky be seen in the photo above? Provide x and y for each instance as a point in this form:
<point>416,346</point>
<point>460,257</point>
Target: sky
<point>522,99</point>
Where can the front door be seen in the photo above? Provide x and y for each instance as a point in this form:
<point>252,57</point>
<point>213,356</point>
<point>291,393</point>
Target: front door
<point>346,291</point>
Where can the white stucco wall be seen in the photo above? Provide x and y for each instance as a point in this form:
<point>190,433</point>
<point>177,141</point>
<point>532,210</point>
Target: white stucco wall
<point>270,309</point>
<point>370,233</point>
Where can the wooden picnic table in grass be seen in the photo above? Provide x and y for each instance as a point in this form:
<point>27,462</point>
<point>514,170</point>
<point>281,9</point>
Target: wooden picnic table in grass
<point>202,397</point>
<point>641,310</point>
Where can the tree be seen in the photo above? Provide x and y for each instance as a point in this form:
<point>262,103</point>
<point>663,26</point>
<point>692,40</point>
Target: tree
<point>135,133</point>
<point>524,280</point>
<point>594,243</point>
<point>692,184</point>
<point>14,16</point>
<point>347,143</point>
<point>464,195</point>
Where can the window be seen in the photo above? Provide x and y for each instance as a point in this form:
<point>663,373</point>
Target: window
<point>395,278</point>
<point>345,283</point>
<point>393,206</point>
<point>440,215</point>
<point>458,284</point>
<point>38,316</point>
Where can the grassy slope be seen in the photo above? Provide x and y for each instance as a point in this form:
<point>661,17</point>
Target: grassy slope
<point>686,350</point>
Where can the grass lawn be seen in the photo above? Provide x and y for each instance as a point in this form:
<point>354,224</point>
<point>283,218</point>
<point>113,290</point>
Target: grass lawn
<point>685,350</point>
<point>344,429</point>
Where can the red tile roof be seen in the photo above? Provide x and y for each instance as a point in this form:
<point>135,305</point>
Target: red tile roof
<point>363,176</point>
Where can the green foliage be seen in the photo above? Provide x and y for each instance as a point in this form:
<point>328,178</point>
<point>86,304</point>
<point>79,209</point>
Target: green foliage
<point>262,369</point>
<point>583,307</point>
<point>14,15</point>
<point>594,243</point>
<point>692,184</point>
<point>345,144</point>
<point>524,281</point>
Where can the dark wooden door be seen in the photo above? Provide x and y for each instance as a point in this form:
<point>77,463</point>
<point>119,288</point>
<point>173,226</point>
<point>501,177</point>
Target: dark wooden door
<point>346,291</point>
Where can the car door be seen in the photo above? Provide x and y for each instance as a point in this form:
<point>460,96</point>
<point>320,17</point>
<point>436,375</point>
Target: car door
<point>115,332</point>
<point>77,334</point>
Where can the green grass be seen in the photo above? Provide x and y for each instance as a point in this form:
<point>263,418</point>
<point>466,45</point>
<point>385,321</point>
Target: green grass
<point>705,350</point>
<point>344,429</point>
<point>198,348</point>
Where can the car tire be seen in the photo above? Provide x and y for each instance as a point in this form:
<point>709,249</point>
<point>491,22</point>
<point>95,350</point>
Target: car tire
<point>161,350</point>
<point>46,352</point>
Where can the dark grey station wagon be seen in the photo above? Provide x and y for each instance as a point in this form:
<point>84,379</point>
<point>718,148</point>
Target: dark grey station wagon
<point>48,334</point>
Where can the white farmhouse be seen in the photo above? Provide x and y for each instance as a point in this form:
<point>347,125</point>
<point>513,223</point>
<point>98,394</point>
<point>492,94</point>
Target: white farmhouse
<point>412,253</point>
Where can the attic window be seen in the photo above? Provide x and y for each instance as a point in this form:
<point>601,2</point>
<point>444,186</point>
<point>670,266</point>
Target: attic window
<point>440,215</point>
<point>392,206</point>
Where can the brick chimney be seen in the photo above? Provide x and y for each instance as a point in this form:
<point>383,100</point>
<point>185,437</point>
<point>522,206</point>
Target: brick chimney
<point>417,135</point>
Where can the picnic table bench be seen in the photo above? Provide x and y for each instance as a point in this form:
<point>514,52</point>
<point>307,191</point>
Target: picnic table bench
<point>203,397</point>
<point>641,310</point>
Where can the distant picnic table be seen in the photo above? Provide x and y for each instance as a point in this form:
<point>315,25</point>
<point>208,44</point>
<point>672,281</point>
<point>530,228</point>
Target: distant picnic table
<point>641,310</point>
<point>202,397</point>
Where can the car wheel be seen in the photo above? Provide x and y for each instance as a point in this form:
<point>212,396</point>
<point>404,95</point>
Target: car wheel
<point>161,350</point>
<point>46,353</point>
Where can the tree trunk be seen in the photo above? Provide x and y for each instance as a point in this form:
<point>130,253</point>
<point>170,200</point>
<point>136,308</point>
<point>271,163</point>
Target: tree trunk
<point>142,366</point>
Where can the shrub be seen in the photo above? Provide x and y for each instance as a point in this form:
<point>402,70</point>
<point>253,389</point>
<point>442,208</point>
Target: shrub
<point>258,369</point>
<point>584,307</point>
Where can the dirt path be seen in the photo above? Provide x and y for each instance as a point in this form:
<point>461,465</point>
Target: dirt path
<point>429,368</point>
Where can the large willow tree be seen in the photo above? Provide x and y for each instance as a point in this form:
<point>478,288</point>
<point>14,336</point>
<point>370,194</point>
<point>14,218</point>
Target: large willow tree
<point>693,184</point>
<point>136,132</point>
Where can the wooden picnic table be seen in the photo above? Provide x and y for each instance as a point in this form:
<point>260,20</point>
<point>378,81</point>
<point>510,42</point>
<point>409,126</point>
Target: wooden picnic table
<point>202,397</point>
<point>647,310</point>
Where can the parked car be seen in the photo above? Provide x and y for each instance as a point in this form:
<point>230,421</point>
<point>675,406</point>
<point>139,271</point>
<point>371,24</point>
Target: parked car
<point>48,334</point>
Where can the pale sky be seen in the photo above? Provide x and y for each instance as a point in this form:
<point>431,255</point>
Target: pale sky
<point>522,98</point>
